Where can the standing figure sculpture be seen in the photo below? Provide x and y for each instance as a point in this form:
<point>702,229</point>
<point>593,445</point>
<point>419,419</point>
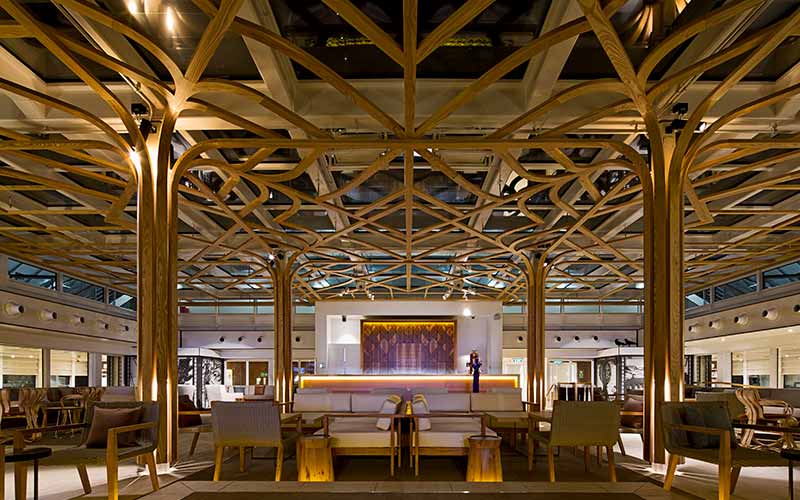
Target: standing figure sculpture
<point>475,370</point>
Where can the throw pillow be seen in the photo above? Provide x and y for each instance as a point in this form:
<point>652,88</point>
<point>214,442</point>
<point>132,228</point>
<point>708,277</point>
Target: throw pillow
<point>711,417</point>
<point>108,418</point>
<point>632,421</point>
<point>419,406</point>
<point>185,403</point>
<point>259,390</point>
<point>389,407</point>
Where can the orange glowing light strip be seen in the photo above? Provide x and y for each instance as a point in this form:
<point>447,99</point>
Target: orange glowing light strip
<point>409,322</point>
<point>377,378</point>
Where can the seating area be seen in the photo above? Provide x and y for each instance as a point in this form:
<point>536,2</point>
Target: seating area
<point>308,249</point>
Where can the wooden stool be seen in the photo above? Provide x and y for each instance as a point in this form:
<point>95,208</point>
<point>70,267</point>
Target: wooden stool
<point>314,460</point>
<point>484,459</point>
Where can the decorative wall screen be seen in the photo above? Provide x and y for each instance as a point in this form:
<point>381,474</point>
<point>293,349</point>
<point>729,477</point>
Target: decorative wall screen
<point>408,346</point>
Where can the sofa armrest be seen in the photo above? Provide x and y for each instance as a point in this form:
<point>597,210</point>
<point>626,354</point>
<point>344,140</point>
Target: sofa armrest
<point>21,434</point>
<point>787,408</point>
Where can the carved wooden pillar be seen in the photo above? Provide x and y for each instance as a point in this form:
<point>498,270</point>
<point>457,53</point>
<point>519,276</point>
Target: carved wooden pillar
<point>282,291</point>
<point>663,339</point>
<point>536,270</point>
<point>157,288</point>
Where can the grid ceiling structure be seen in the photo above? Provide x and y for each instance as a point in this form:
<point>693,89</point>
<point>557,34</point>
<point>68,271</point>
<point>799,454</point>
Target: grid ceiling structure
<point>398,148</point>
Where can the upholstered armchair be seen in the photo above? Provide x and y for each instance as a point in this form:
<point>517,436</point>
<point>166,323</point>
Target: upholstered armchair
<point>578,423</point>
<point>126,442</point>
<point>244,425</point>
<point>703,431</point>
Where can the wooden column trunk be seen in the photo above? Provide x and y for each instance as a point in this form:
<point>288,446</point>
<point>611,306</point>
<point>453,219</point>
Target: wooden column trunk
<point>484,463</point>
<point>314,459</point>
<point>536,332</point>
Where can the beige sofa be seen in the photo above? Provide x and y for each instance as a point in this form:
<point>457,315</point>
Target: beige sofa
<point>312,406</point>
<point>451,424</point>
<point>357,432</point>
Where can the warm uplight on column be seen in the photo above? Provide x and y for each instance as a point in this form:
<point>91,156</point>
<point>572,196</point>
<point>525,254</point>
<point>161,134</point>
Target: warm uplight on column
<point>169,19</point>
<point>136,159</point>
<point>133,6</point>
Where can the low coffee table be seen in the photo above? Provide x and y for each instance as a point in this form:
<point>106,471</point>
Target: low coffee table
<point>31,455</point>
<point>792,455</point>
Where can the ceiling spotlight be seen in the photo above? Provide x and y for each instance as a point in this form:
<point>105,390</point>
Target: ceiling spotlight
<point>576,338</point>
<point>259,339</point>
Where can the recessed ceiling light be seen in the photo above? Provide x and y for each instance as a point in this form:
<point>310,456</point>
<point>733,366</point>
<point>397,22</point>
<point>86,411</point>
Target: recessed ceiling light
<point>170,19</point>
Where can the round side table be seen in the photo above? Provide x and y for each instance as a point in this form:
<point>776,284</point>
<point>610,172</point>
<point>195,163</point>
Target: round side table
<point>314,459</point>
<point>483,464</point>
<point>792,455</point>
<point>31,455</point>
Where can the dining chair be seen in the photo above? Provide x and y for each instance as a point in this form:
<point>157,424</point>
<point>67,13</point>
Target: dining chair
<point>579,423</point>
<point>246,424</point>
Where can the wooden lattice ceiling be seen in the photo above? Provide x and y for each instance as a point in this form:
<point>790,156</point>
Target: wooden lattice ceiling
<point>342,139</point>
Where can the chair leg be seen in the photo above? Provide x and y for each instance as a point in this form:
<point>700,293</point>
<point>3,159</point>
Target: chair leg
<point>279,463</point>
<point>671,467</point>
<point>621,445</point>
<point>735,477</point>
<point>151,467</point>
<point>551,466</point>
<point>218,451</point>
<point>724,482</point>
<point>195,438</point>
<point>586,458</point>
<point>20,481</point>
<point>241,459</point>
<point>599,455</point>
<point>112,479</point>
<point>87,486</point>
<point>612,469</point>
<point>531,453</point>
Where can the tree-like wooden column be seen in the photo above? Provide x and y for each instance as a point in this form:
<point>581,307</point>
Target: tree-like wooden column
<point>282,282</point>
<point>157,284</point>
<point>536,270</point>
<point>663,342</point>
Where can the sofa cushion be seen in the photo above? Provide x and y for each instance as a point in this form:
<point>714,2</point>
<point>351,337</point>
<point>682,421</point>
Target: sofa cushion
<point>366,403</point>
<point>450,402</point>
<point>633,403</point>
<point>322,402</point>
<point>450,433</point>
<point>356,433</point>
<point>495,401</point>
<point>104,419</point>
<point>185,403</point>
<point>713,417</point>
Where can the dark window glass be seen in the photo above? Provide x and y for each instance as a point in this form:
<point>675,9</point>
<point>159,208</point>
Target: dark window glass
<point>122,300</point>
<point>735,288</point>
<point>32,275</point>
<point>699,298</point>
<point>787,273</point>
<point>83,289</point>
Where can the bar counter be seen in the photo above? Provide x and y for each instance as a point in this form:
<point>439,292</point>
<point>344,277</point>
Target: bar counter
<point>367,383</point>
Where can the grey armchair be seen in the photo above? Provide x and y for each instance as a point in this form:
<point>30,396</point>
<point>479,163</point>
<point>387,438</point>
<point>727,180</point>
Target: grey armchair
<point>246,425</point>
<point>703,431</point>
<point>578,423</point>
<point>80,456</point>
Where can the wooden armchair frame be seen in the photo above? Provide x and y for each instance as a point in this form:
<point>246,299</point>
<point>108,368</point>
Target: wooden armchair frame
<point>194,429</point>
<point>728,475</point>
<point>416,450</point>
<point>112,457</point>
<point>394,438</point>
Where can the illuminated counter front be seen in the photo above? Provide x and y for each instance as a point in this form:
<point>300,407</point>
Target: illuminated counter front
<point>367,383</point>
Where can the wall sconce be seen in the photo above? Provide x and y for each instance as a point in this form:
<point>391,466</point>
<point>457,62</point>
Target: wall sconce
<point>47,315</point>
<point>13,309</point>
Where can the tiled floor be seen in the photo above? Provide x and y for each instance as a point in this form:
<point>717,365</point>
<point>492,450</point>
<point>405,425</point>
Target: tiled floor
<point>61,483</point>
